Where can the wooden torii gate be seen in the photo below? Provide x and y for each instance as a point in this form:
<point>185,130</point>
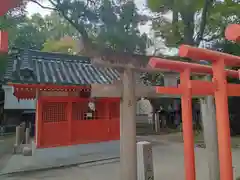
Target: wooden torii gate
<point>218,87</point>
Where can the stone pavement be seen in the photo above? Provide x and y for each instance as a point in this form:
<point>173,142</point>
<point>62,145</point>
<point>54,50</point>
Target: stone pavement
<point>6,148</point>
<point>168,165</point>
<point>20,163</point>
<point>52,158</point>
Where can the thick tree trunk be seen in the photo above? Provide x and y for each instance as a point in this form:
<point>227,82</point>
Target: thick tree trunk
<point>208,114</point>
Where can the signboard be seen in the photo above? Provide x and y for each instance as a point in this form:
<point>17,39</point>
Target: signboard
<point>145,161</point>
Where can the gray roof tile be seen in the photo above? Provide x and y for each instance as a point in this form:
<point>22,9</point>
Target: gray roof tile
<point>28,66</point>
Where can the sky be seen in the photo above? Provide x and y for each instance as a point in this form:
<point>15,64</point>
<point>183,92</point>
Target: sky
<point>34,8</point>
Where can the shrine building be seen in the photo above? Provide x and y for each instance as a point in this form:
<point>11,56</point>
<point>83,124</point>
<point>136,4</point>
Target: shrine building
<point>67,114</point>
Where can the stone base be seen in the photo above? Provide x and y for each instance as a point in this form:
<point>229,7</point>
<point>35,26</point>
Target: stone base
<point>27,151</point>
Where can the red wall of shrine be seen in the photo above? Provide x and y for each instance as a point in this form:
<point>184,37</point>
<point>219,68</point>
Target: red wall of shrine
<point>64,121</point>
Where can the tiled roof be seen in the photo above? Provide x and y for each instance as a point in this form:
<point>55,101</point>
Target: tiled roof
<point>28,66</point>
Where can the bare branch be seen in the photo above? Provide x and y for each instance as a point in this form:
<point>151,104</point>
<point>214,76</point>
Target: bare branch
<point>57,7</point>
<point>44,7</point>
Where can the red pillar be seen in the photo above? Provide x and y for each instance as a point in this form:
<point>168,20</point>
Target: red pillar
<point>186,100</point>
<point>69,117</point>
<point>3,41</point>
<point>39,123</point>
<point>222,116</point>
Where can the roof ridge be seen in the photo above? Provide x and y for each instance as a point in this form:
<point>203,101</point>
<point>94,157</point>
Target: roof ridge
<point>63,56</point>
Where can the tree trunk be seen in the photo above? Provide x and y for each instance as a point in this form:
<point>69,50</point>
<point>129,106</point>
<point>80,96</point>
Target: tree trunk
<point>208,114</point>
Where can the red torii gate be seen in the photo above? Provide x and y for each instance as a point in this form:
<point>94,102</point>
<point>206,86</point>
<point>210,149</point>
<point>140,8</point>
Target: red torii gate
<point>218,87</point>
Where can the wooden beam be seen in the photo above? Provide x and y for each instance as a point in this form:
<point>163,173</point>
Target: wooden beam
<point>208,55</point>
<point>179,66</point>
<point>233,89</point>
<point>169,90</point>
<point>115,90</point>
<point>48,86</point>
<point>199,89</point>
<point>138,69</point>
<point>202,88</point>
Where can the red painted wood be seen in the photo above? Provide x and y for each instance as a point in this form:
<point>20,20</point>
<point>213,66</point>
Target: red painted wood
<point>198,90</point>
<point>208,55</point>
<point>223,124</point>
<point>3,42</point>
<point>202,88</point>
<point>169,90</point>
<point>186,102</point>
<point>69,118</point>
<point>72,128</point>
<point>50,87</point>
<point>179,66</point>
<point>28,91</point>
<point>233,89</point>
<point>114,108</point>
<point>55,134</point>
<point>39,124</point>
<point>7,5</point>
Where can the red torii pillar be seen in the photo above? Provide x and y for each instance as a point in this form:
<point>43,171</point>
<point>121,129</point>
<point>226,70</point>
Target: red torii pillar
<point>219,61</point>
<point>187,89</point>
<point>186,102</point>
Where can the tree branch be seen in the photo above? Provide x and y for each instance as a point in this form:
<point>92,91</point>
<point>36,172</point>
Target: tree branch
<point>44,7</point>
<point>80,28</point>
<point>56,7</point>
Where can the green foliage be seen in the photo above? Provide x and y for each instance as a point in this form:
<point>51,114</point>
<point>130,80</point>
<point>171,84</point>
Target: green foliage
<point>119,30</point>
<point>30,33</point>
<point>106,23</point>
<point>9,22</point>
<point>57,27</point>
<point>193,21</point>
<point>164,6</point>
<point>65,45</point>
